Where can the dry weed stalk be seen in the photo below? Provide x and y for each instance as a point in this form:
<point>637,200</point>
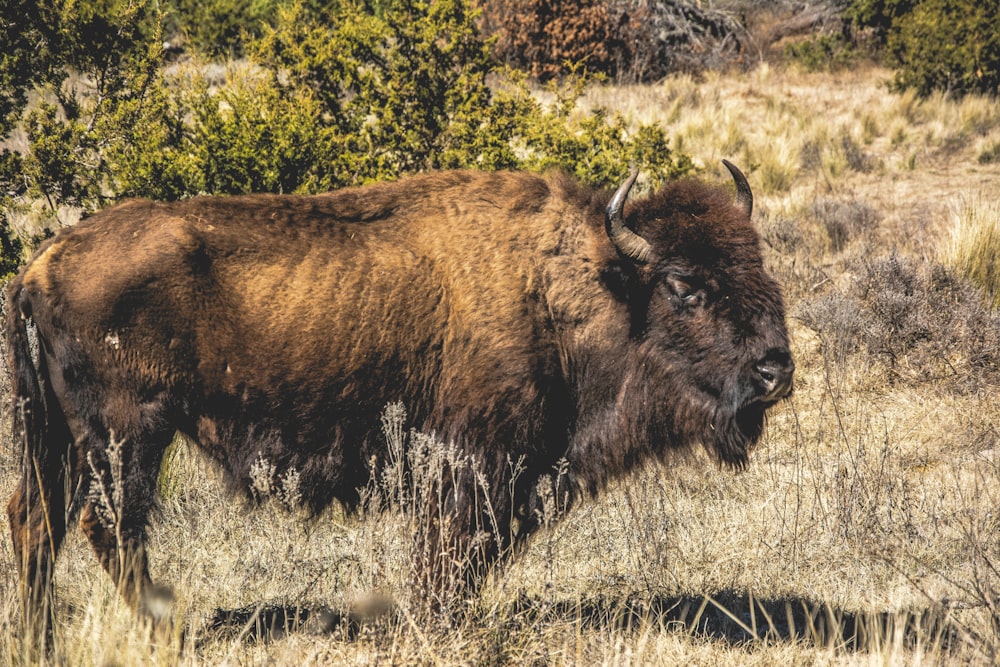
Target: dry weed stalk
<point>265,483</point>
<point>424,479</point>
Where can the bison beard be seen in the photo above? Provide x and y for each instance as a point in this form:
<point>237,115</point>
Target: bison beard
<point>522,319</point>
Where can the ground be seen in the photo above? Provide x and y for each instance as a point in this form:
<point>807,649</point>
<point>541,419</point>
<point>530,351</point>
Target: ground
<point>863,532</point>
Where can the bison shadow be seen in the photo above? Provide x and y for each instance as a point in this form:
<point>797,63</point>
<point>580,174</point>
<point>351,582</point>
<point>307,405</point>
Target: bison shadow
<point>730,617</point>
<point>737,618</point>
<point>271,621</point>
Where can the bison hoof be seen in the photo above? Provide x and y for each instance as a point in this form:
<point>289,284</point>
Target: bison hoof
<point>157,605</point>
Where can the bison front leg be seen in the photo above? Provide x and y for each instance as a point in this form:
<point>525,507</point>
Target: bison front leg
<point>115,515</point>
<point>123,556</point>
<point>460,538</point>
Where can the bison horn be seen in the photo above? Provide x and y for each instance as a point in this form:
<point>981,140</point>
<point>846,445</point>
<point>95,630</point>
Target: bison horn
<point>744,197</point>
<point>629,243</point>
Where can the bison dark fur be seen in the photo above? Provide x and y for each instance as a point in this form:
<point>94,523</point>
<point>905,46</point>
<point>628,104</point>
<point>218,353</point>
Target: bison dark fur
<point>517,317</point>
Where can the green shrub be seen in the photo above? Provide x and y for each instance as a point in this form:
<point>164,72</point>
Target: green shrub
<point>324,99</point>
<point>397,90</point>
<point>596,147</point>
<point>879,16</point>
<point>41,42</point>
<point>218,27</point>
<point>23,62</point>
<point>948,45</point>
<point>990,154</point>
<point>88,63</point>
<point>10,250</point>
<point>244,137</point>
<point>824,52</point>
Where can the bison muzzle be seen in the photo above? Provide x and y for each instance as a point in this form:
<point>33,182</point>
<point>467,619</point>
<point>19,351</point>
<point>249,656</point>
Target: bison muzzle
<point>518,317</point>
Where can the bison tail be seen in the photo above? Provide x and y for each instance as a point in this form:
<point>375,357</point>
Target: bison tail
<point>28,400</point>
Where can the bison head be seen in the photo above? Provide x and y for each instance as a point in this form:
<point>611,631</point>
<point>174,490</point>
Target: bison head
<point>707,319</point>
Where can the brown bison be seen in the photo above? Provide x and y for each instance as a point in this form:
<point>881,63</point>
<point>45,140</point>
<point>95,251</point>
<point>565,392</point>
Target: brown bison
<point>519,318</point>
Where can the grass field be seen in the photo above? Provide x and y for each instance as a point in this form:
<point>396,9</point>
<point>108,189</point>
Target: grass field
<point>865,530</point>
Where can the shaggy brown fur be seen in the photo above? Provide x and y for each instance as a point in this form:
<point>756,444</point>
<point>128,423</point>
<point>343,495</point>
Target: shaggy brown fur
<point>492,305</point>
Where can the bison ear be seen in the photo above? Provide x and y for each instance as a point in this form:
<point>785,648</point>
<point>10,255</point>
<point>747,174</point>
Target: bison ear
<point>621,279</point>
<point>628,243</point>
<point>744,196</point>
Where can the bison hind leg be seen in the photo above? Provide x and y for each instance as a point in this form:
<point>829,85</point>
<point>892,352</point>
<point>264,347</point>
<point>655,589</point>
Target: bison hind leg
<point>38,526</point>
<point>38,513</point>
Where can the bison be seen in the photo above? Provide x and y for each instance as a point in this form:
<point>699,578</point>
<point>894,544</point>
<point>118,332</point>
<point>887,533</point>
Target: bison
<point>518,317</point>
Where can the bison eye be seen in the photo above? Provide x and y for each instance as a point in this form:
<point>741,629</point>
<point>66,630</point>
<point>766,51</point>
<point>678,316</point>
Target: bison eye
<point>691,298</point>
<point>685,292</point>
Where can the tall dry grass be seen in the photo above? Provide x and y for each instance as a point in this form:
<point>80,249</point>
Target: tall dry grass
<point>972,246</point>
<point>864,531</point>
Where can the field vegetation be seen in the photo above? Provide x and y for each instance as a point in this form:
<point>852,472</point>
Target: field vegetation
<point>865,531</point>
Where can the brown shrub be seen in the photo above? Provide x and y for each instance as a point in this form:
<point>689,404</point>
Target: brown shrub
<point>909,321</point>
<point>542,36</point>
<point>628,40</point>
<point>844,220</point>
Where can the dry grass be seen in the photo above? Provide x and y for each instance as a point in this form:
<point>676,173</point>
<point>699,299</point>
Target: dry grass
<point>864,532</point>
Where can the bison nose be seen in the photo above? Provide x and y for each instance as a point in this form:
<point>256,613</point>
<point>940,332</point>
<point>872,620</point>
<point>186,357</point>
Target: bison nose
<point>773,376</point>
